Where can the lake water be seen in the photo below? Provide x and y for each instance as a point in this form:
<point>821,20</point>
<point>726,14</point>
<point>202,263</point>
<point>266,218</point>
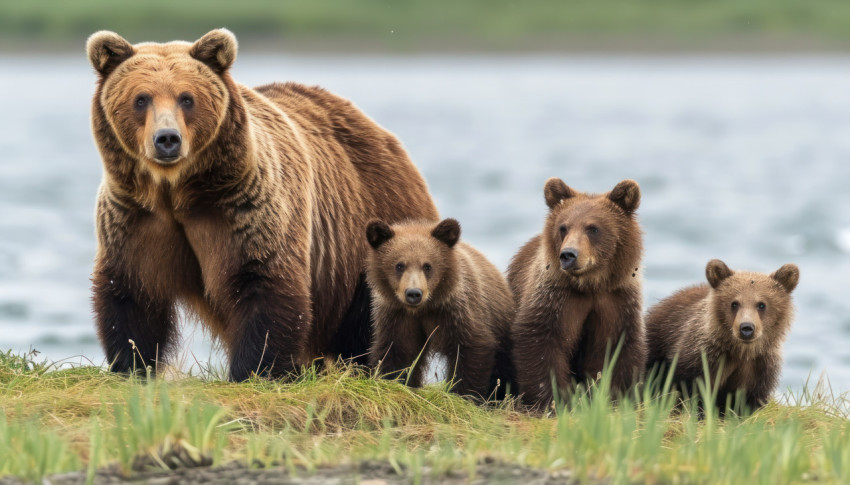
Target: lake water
<point>743,159</point>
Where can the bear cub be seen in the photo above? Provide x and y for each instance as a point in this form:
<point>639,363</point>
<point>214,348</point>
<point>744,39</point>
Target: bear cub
<point>432,293</point>
<point>739,320</point>
<point>578,289</point>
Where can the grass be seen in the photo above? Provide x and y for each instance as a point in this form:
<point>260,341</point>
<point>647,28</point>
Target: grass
<point>84,418</point>
<point>409,25</point>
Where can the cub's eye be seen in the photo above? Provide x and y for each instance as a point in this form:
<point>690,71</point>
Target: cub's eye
<point>426,267</point>
<point>399,267</point>
<point>735,305</point>
<point>141,101</point>
<point>186,100</point>
<point>563,230</point>
<point>593,229</point>
<point>761,306</point>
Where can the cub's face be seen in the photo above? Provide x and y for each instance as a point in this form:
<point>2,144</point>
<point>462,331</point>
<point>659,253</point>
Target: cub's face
<point>752,308</point>
<point>164,102</point>
<point>409,262</point>
<point>585,232</point>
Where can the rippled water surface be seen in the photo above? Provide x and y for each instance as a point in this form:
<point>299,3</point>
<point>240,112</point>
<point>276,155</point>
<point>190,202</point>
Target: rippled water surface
<point>743,159</point>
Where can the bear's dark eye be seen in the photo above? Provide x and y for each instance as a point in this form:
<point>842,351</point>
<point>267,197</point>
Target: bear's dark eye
<point>186,100</point>
<point>399,267</point>
<point>761,306</point>
<point>735,305</point>
<point>592,229</point>
<point>141,101</point>
<point>563,230</point>
<point>426,267</point>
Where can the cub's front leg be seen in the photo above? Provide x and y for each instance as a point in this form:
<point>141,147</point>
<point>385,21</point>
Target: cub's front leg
<point>397,341</point>
<point>621,317</point>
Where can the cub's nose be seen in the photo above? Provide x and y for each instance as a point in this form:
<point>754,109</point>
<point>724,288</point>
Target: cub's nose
<point>747,330</point>
<point>568,258</point>
<point>167,143</point>
<point>413,296</point>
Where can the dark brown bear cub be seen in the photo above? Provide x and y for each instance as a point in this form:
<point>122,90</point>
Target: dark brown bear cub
<point>431,293</point>
<point>578,289</point>
<point>740,320</point>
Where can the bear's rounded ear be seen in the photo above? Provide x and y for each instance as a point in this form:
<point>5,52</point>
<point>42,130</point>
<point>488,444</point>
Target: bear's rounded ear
<point>447,231</point>
<point>106,50</point>
<point>788,276</point>
<point>716,271</point>
<point>555,191</point>
<point>377,233</point>
<point>217,49</point>
<point>626,195</point>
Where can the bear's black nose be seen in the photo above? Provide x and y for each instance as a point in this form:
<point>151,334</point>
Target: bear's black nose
<point>747,330</point>
<point>413,296</point>
<point>167,143</point>
<point>568,258</point>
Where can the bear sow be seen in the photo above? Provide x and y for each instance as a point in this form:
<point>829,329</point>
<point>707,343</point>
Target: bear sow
<point>244,206</point>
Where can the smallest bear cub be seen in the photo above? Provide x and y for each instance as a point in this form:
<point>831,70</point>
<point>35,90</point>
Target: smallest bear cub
<point>739,319</point>
<point>428,287</point>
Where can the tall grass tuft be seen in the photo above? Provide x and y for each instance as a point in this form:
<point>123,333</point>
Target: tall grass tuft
<point>150,431</point>
<point>30,451</point>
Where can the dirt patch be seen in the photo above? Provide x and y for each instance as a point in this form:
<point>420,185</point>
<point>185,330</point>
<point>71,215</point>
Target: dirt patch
<point>366,473</point>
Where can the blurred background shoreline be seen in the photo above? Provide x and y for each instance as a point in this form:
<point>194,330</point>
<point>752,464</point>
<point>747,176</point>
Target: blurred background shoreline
<point>444,26</point>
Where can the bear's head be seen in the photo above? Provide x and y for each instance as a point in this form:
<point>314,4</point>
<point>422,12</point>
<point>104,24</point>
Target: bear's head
<point>751,309</point>
<point>412,263</point>
<point>164,103</point>
<point>594,241</point>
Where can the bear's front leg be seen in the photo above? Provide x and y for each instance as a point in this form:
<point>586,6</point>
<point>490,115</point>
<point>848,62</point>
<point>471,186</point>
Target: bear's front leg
<point>621,312</point>
<point>542,353</point>
<point>397,342</point>
<point>471,366</point>
<point>126,311</point>
<point>268,322</point>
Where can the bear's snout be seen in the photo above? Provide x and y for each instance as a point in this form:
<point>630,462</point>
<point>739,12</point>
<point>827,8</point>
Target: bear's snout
<point>167,143</point>
<point>747,331</point>
<point>568,258</point>
<point>413,296</point>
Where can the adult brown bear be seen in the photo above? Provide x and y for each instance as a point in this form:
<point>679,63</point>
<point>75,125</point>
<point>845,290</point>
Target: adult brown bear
<point>247,206</point>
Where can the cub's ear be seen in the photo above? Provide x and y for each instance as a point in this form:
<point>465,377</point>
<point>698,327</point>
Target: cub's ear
<point>788,276</point>
<point>106,50</point>
<point>217,49</point>
<point>555,191</point>
<point>716,271</point>
<point>447,231</point>
<point>626,195</point>
<point>377,233</point>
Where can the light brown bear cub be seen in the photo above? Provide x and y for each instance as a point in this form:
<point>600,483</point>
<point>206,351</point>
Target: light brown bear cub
<point>740,319</point>
<point>578,289</point>
<point>432,293</point>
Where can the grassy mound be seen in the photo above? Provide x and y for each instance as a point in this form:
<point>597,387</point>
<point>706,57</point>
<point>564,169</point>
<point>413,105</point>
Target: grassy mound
<point>84,418</point>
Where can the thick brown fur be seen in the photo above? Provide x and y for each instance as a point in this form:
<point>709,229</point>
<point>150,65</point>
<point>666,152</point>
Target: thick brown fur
<point>568,319</point>
<point>465,310</point>
<point>707,318</point>
<point>256,227</point>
